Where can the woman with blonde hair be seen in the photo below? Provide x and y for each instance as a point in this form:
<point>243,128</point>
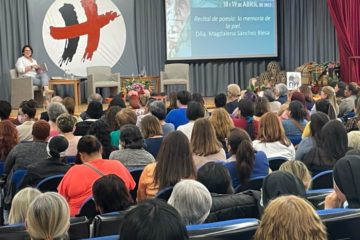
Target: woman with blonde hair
<point>282,217</point>
<point>298,169</point>
<point>328,92</point>
<point>206,147</point>
<point>222,124</point>
<point>271,138</point>
<point>48,217</point>
<point>20,204</point>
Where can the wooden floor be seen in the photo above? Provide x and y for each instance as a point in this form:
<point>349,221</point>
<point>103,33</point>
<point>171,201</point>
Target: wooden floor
<point>209,103</point>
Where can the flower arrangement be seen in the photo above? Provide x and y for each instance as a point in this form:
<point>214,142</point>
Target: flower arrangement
<point>137,89</point>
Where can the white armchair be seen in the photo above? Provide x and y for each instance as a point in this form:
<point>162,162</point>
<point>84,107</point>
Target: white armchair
<point>102,77</point>
<point>173,74</point>
<point>22,89</point>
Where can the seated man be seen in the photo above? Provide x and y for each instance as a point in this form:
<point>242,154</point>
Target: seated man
<point>28,67</point>
<point>76,186</point>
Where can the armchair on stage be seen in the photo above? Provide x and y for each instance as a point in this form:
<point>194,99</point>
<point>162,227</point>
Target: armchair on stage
<point>102,77</point>
<point>173,74</point>
<point>22,89</point>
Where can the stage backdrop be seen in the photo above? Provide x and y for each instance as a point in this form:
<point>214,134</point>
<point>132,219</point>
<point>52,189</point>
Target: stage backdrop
<point>75,34</point>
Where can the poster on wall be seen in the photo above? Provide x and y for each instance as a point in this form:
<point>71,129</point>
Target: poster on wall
<point>293,80</point>
<point>75,34</point>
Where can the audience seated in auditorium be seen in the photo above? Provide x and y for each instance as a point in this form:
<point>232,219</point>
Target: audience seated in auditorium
<point>26,153</point>
<point>245,162</point>
<point>332,145</point>
<point>346,183</point>
<point>261,107</point>
<point>178,116</point>
<point>222,124</point>
<point>66,126</point>
<point>197,97</point>
<point>111,195</point>
<point>352,123</point>
<point>317,121</point>
<point>290,217</point>
<point>26,116</point>
<point>125,116</point>
<point>205,146</point>
<point>281,92</point>
<point>8,138</point>
<point>280,183</point>
<point>76,185</point>
<point>20,205</point>
<point>192,200</point>
<point>44,115</point>
<point>153,219</point>
<point>48,217</point>
<point>271,138</point>
<point>93,97</point>
<point>173,163</point>
<point>94,112</point>
<point>194,111</point>
<point>273,104</point>
<point>158,109</point>
<point>5,110</point>
<point>233,94</point>
<point>348,103</point>
<point>172,102</point>
<point>245,119</point>
<point>309,100</point>
<point>100,129</point>
<point>298,169</point>
<point>132,153</point>
<point>295,124</point>
<point>220,100</point>
<point>52,165</point>
<point>152,132</point>
<point>54,110</point>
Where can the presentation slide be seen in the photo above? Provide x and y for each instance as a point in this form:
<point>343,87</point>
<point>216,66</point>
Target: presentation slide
<point>220,29</point>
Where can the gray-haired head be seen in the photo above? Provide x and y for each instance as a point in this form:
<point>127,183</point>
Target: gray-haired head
<point>95,97</point>
<point>54,110</point>
<point>192,200</point>
<point>157,108</point>
<point>281,89</point>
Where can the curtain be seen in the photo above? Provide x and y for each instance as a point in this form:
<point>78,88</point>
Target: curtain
<point>346,17</point>
<point>14,33</point>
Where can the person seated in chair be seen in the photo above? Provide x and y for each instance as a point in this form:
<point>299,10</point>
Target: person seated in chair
<point>5,110</point>
<point>53,165</point>
<point>178,116</point>
<point>27,66</point>
<point>26,118</point>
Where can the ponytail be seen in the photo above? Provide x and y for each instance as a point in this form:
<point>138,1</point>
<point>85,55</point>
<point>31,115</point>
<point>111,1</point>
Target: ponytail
<point>245,158</point>
<point>250,127</point>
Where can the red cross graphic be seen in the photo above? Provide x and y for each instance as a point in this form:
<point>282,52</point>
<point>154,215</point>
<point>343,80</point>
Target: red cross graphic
<point>91,27</point>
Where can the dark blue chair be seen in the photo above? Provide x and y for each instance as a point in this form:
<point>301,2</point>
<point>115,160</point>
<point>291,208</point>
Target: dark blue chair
<point>232,229</point>
<point>107,224</point>
<point>275,162</point>
<point>50,184</point>
<point>70,159</point>
<point>2,164</point>
<point>112,237</point>
<point>341,223</point>
<point>252,184</point>
<point>79,228</point>
<point>317,197</point>
<point>135,173</point>
<point>14,232</point>
<point>164,193</point>
<point>17,178</point>
<point>294,139</point>
<point>323,180</point>
<point>88,209</point>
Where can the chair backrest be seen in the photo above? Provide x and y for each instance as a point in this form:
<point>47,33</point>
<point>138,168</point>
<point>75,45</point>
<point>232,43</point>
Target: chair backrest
<point>17,178</point>
<point>252,184</point>
<point>135,173</point>
<point>100,73</point>
<point>79,228</point>
<point>176,71</point>
<point>88,209</point>
<point>2,164</point>
<point>275,162</point>
<point>317,197</point>
<point>107,224</point>
<point>164,193</point>
<point>13,73</point>
<point>341,223</point>
<point>14,232</point>
<point>50,184</point>
<point>70,159</point>
<point>233,229</point>
<point>323,180</point>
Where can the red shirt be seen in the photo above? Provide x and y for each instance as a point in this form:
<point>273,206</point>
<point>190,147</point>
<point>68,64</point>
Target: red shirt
<point>242,123</point>
<point>76,186</point>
